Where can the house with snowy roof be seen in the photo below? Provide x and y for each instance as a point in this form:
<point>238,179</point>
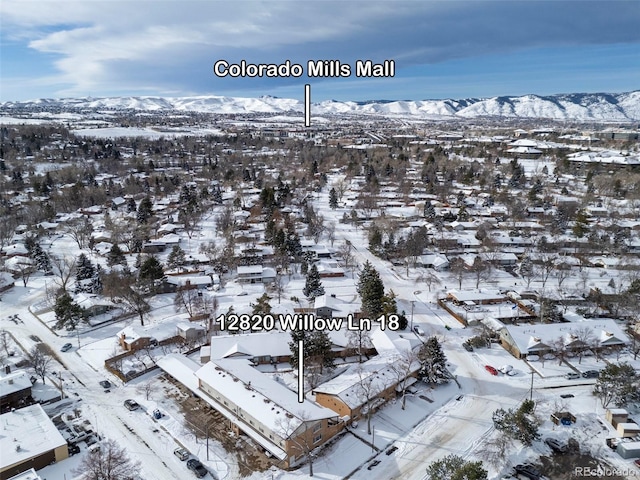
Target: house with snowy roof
<point>15,390</point>
<point>263,348</point>
<point>600,334</point>
<point>29,440</point>
<point>365,387</point>
<point>255,274</point>
<point>132,338</point>
<point>257,405</point>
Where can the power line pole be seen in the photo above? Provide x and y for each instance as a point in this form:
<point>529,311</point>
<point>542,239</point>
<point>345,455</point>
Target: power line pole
<point>531,388</point>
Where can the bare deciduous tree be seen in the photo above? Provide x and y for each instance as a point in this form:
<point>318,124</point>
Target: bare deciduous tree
<point>63,268</point>
<point>5,341</point>
<point>80,230</point>
<point>25,270</point>
<point>298,431</point>
<point>110,462</point>
<point>403,365</point>
<point>366,392</point>
<point>359,340</point>
<point>429,278</point>
<point>146,389</point>
<point>40,360</point>
<point>346,253</point>
<point>189,300</point>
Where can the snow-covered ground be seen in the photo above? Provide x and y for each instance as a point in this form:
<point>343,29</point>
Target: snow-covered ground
<point>454,418</point>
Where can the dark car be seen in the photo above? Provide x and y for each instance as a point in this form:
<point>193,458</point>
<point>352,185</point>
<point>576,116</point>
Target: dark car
<point>131,404</point>
<point>567,395</point>
<point>105,383</point>
<point>591,374</point>
<point>467,346</point>
<point>556,445</point>
<point>66,347</point>
<point>528,471</point>
<point>73,449</point>
<point>197,468</point>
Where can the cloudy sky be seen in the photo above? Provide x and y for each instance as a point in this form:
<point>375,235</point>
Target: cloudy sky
<point>442,49</point>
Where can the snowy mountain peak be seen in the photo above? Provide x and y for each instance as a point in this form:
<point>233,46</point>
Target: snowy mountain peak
<point>573,106</point>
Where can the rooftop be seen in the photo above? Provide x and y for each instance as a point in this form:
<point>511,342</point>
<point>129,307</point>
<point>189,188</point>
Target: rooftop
<point>249,389</point>
<point>27,433</point>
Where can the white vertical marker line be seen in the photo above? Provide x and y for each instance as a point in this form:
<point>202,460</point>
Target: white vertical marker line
<point>307,105</point>
<point>300,371</point>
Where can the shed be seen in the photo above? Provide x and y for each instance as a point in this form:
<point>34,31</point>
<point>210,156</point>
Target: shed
<point>628,449</point>
<point>628,429</point>
<point>188,331</point>
<point>616,415</point>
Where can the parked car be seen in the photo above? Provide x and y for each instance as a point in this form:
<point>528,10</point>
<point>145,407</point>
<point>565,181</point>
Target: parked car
<point>181,453</point>
<point>572,376</point>
<point>637,462</point>
<point>491,370</point>
<point>528,471</point>
<point>131,404</point>
<point>105,384</point>
<point>418,330</point>
<point>567,395</point>
<point>591,374</point>
<point>66,347</point>
<point>73,449</point>
<point>556,445</point>
<point>197,468</point>
<point>467,346</point>
<point>506,369</point>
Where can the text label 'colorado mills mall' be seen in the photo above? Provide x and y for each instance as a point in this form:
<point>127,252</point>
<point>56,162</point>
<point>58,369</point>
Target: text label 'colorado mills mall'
<point>315,69</point>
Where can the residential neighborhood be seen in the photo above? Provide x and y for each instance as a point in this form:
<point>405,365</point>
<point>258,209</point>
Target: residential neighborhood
<point>459,271</point>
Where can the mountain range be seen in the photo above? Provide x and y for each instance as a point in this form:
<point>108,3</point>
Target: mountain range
<point>617,107</point>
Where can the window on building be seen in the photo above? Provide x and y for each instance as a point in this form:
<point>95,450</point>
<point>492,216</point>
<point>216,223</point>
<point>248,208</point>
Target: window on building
<point>317,438</point>
<point>317,427</point>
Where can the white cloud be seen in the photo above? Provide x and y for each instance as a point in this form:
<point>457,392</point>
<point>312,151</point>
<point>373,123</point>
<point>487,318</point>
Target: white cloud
<point>130,45</point>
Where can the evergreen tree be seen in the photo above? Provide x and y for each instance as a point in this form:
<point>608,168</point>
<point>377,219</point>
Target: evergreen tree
<point>429,211</point>
<point>262,306</point>
<point>453,467</point>
<point>96,280</point>
<point>293,245</point>
<point>402,320</point>
<point>581,225</point>
<point>131,205</point>
<point>116,256</point>
<point>150,271</point>
<point>313,286</point>
<point>145,210</point>
<point>371,291</point>
<point>333,199</point>
<point>68,313</point>
<point>270,231</point>
<point>43,263</point>
<point>433,362</point>
<point>375,239</point>
<point>317,349</point>
<point>617,384</point>
<point>296,336</point>
<point>216,196</point>
<point>84,271</point>
<point>176,258</point>
<point>520,424</point>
